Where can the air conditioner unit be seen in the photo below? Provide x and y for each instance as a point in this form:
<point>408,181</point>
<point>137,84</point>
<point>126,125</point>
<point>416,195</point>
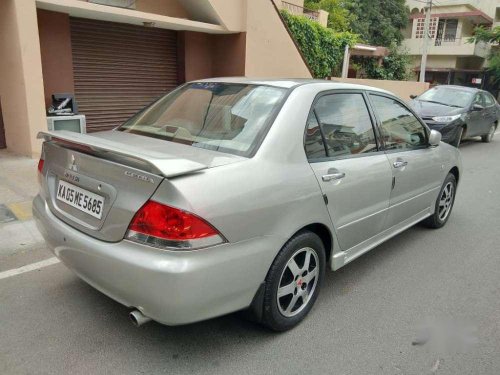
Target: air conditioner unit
<point>74,123</point>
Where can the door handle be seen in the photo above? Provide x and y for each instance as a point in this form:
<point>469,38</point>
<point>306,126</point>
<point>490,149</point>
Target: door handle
<point>333,176</point>
<point>400,164</point>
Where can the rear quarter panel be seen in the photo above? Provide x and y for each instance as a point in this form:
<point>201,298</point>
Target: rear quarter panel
<point>273,194</point>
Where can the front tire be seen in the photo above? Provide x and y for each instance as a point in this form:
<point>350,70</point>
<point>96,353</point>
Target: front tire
<point>293,281</point>
<point>487,138</point>
<point>444,203</point>
<point>459,137</point>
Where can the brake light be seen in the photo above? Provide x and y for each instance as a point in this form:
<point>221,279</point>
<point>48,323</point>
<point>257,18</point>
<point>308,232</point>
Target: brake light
<point>163,226</point>
<point>40,165</point>
<point>40,169</point>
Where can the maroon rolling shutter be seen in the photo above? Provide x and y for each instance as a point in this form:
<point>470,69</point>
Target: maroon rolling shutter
<point>119,69</point>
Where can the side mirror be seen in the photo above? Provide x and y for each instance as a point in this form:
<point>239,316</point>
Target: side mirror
<point>413,96</point>
<point>434,138</point>
<point>477,107</point>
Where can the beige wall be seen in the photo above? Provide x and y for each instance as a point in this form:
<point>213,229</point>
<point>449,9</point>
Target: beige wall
<point>231,13</point>
<point>403,89</point>
<point>57,58</point>
<point>172,8</point>
<point>271,51</point>
<point>299,3</point>
<point>21,85</point>
<point>487,6</point>
<point>208,55</point>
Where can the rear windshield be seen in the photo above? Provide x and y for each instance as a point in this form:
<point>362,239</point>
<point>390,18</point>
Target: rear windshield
<point>224,117</point>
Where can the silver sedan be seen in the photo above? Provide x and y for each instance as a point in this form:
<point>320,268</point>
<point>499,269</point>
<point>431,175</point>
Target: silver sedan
<point>238,194</point>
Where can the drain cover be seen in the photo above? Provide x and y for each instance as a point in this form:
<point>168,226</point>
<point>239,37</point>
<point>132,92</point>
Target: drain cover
<point>6,215</point>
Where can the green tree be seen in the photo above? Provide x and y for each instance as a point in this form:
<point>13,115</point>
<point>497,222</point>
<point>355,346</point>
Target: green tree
<point>394,67</point>
<point>339,17</point>
<point>492,36</point>
<point>322,47</point>
<point>378,22</point>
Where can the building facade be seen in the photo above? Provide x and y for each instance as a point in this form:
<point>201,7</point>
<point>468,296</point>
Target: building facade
<point>451,58</point>
<point>116,56</point>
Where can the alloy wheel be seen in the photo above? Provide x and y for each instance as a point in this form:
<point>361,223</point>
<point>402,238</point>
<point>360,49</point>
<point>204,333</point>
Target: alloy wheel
<point>298,282</point>
<point>446,201</point>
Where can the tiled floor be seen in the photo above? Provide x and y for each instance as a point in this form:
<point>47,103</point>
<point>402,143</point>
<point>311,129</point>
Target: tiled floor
<point>18,186</point>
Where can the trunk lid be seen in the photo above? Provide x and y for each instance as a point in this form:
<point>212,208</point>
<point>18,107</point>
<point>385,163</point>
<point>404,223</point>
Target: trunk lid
<point>122,170</point>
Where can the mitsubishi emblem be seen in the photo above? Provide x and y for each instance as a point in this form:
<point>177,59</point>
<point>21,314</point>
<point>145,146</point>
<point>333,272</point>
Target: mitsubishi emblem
<point>73,166</point>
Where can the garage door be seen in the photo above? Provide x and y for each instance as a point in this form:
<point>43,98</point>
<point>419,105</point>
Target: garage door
<point>119,69</point>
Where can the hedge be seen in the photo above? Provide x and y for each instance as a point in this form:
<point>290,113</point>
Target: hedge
<point>322,47</point>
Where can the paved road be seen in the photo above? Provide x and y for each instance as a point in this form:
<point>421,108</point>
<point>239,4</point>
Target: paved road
<point>364,322</point>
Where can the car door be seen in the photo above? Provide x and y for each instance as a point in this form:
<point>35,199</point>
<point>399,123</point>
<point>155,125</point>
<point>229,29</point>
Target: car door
<point>476,121</point>
<point>490,111</point>
<point>351,170</point>
<point>416,166</point>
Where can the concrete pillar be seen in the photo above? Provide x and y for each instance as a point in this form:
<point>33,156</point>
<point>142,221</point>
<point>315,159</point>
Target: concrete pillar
<point>21,81</point>
<point>323,17</point>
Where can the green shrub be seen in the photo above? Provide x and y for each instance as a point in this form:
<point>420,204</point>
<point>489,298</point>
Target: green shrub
<point>322,47</point>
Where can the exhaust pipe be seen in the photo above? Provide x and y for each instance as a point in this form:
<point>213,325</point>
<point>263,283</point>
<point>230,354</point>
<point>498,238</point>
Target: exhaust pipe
<point>138,318</point>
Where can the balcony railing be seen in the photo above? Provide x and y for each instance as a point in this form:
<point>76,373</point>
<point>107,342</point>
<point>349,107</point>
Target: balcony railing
<point>447,41</point>
<point>301,11</point>
<point>448,46</point>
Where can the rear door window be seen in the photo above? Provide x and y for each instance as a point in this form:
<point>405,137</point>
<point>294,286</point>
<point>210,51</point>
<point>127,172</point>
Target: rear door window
<point>345,127</point>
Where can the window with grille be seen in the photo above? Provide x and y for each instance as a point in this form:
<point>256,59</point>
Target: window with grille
<point>420,31</point>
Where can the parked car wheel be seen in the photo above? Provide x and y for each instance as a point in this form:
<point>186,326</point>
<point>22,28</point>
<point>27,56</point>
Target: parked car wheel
<point>293,281</point>
<point>487,138</point>
<point>444,203</point>
<point>459,137</point>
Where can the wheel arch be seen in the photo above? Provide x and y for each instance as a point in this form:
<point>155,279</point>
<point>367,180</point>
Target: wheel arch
<point>254,311</point>
<point>324,233</point>
<point>455,172</point>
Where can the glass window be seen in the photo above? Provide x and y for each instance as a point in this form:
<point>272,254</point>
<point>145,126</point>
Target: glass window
<point>346,125</point>
<point>223,117</point>
<point>399,127</point>
<point>315,147</point>
<point>488,100</point>
<point>478,99</point>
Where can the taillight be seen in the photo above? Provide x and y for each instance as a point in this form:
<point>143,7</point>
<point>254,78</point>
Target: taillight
<point>163,226</point>
<point>40,165</point>
<point>40,169</point>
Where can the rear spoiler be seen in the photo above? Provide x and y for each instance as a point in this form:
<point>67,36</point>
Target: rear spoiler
<point>159,163</point>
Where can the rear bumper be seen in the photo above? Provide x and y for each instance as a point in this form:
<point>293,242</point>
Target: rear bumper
<point>170,287</point>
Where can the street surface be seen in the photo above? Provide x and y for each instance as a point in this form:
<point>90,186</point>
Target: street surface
<point>426,302</point>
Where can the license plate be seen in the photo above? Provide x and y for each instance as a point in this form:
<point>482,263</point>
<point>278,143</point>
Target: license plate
<point>81,199</point>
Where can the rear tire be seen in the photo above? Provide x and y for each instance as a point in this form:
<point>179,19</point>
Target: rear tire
<point>487,138</point>
<point>444,203</point>
<point>293,281</point>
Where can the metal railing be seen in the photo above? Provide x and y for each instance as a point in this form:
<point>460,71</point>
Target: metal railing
<point>447,41</point>
<point>301,11</point>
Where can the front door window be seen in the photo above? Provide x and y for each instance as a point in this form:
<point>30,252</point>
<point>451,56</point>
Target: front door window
<point>400,129</point>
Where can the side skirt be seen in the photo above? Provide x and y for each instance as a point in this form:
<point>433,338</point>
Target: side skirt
<point>342,258</point>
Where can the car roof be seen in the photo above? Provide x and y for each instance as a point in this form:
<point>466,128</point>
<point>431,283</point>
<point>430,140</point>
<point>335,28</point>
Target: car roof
<point>289,83</point>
